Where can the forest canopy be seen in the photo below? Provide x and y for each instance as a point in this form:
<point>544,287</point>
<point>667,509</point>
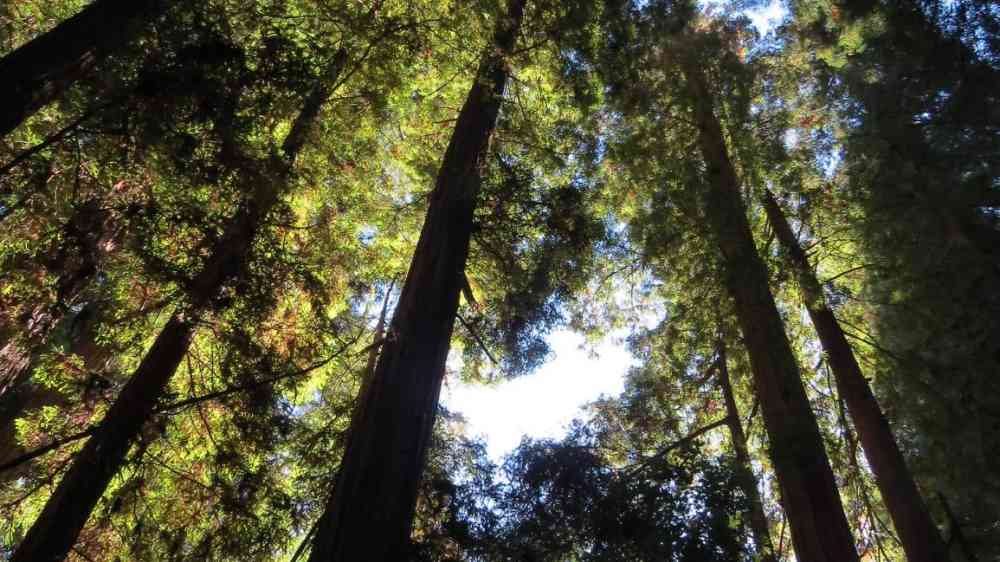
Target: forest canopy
<point>243,244</point>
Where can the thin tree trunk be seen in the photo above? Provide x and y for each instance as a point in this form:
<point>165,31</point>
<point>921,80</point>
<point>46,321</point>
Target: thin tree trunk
<point>917,531</point>
<point>39,72</point>
<point>54,532</point>
<point>371,509</point>
<point>820,531</point>
<point>758,520</point>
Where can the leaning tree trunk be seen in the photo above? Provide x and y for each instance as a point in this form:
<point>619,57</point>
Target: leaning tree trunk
<point>920,537</point>
<point>54,532</point>
<point>758,520</point>
<point>370,511</point>
<point>819,527</point>
<point>41,70</point>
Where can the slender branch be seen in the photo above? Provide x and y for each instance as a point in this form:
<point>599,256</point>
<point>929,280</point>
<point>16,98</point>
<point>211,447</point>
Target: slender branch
<point>254,384</point>
<point>306,541</point>
<point>680,442</point>
<point>33,454</point>
<point>467,292</point>
<point>53,139</point>
<point>476,336</point>
<point>846,272</point>
<point>171,408</point>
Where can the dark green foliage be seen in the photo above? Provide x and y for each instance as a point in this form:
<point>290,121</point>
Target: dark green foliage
<point>558,500</point>
<point>918,101</point>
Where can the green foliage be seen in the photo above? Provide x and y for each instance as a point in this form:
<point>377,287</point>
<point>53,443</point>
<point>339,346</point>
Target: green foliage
<point>874,122</point>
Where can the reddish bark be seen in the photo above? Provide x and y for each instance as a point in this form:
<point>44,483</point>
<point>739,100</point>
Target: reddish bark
<point>41,70</point>
<point>371,509</point>
<point>809,493</point>
<point>917,531</point>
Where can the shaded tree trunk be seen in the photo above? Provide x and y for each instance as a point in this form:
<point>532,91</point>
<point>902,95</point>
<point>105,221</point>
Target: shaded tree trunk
<point>371,509</point>
<point>87,238</point>
<point>38,72</point>
<point>31,397</point>
<point>917,531</point>
<point>758,520</point>
<point>820,531</point>
<point>55,531</point>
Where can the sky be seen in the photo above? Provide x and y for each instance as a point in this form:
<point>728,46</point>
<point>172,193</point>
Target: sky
<point>543,403</point>
<point>767,17</point>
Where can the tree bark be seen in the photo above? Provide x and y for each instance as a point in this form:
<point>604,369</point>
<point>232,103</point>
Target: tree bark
<point>371,509</point>
<point>54,532</point>
<point>87,239</point>
<point>39,71</point>
<point>920,536</point>
<point>758,520</point>
<point>820,531</point>
<point>29,397</point>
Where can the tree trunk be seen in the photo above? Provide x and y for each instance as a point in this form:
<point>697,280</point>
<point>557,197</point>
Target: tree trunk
<point>17,394</point>
<point>41,70</point>
<point>55,531</point>
<point>820,531</point>
<point>87,238</point>
<point>758,520</point>
<point>920,537</point>
<point>371,509</point>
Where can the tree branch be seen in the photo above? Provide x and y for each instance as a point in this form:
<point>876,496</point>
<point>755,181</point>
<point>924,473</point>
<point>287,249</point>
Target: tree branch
<point>680,442</point>
<point>476,337</point>
<point>171,408</point>
<point>51,140</point>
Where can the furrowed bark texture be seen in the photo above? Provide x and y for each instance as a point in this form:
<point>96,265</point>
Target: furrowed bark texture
<point>917,531</point>
<point>41,70</point>
<point>758,520</point>
<point>819,527</point>
<point>370,511</point>
<point>56,529</point>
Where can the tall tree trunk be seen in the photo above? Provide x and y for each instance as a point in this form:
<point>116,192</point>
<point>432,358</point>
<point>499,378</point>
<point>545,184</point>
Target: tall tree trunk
<point>371,509</point>
<point>41,70</point>
<point>917,531</point>
<point>67,510</point>
<point>758,520</point>
<point>820,531</point>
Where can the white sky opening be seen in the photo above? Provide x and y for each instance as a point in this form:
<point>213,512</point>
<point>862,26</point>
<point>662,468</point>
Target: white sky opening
<point>543,403</point>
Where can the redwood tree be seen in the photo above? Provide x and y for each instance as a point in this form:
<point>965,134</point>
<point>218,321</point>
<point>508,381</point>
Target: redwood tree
<point>370,512</point>
<point>758,520</point>
<point>808,489</point>
<point>917,531</point>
